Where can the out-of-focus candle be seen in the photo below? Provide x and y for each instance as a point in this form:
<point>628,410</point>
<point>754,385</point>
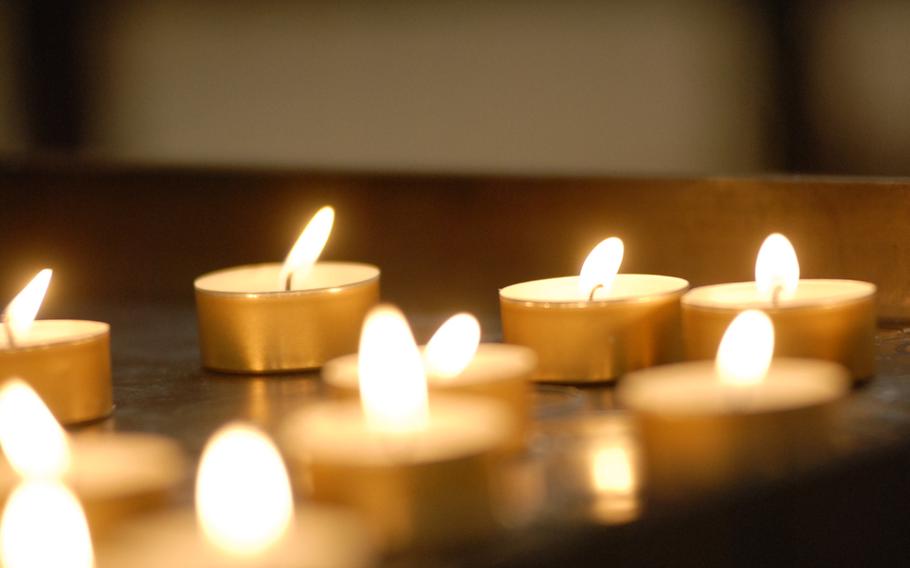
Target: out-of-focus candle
<point>709,424</point>
<point>244,517</point>
<point>275,317</point>
<point>115,475</point>
<point>813,318</point>
<point>67,362</point>
<point>418,469</point>
<point>455,362</point>
<point>598,325</point>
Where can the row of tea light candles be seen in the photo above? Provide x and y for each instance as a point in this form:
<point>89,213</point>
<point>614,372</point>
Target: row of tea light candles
<point>597,326</point>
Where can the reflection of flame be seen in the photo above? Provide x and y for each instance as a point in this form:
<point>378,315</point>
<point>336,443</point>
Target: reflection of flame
<point>309,245</point>
<point>43,525</point>
<point>20,313</point>
<point>600,268</point>
<point>746,349</point>
<point>393,387</point>
<point>31,438</point>
<point>612,471</point>
<point>243,495</point>
<point>777,268</point>
<point>453,346</point>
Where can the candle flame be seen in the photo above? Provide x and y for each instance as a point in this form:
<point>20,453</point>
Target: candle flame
<point>393,387</point>
<point>453,346</point>
<point>44,525</point>
<point>243,495</point>
<point>33,441</point>
<point>613,471</point>
<point>777,268</point>
<point>20,313</point>
<point>309,245</point>
<point>600,268</point>
<point>746,349</point>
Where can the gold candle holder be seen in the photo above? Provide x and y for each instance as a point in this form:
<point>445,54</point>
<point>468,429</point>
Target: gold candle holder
<point>635,325</point>
<point>699,435</point>
<point>498,372</point>
<point>431,488</point>
<point>826,319</point>
<point>248,324</point>
<point>68,363</point>
<point>116,476</point>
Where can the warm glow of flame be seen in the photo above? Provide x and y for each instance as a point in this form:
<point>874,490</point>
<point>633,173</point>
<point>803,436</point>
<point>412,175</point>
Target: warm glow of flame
<point>33,441</point>
<point>44,526</point>
<point>308,247</point>
<point>453,346</point>
<point>393,387</point>
<point>746,349</point>
<point>20,313</point>
<point>601,266</point>
<point>777,268</point>
<point>243,495</point>
<point>613,471</point>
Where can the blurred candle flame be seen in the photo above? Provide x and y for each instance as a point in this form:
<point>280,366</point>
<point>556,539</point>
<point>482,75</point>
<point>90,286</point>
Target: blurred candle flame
<point>43,526</point>
<point>21,311</point>
<point>746,349</point>
<point>777,268</point>
<point>601,266</point>
<point>393,386</point>
<point>34,442</point>
<point>309,245</point>
<point>243,495</point>
<point>453,346</point>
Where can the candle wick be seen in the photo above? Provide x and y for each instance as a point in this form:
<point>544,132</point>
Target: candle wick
<point>775,295</point>
<point>8,326</point>
<point>289,281</point>
<point>593,291</point>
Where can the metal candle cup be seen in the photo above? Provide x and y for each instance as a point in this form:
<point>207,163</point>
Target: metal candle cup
<point>635,325</point>
<point>68,363</point>
<point>698,434</point>
<point>248,324</point>
<point>430,488</point>
<point>825,319</point>
<point>499,372</point>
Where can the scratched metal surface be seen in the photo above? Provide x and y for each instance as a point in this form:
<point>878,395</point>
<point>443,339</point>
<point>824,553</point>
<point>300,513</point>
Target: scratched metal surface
<point>160,387</point>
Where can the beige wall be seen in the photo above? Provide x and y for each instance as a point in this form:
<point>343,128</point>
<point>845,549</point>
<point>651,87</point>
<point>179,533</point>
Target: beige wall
<point>524,87</point>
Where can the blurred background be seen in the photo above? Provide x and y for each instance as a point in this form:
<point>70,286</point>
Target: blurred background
<point>570,87</point>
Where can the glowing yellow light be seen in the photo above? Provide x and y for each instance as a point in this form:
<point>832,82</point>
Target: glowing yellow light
<point>43,525</point>
<point>746,349</point>
<point>33,441</point>
<point>600,268</point>
<point>309,245</point>
<point>613,472</point>
<point>243,495</point>
<point>453,346</point>
<point>393,387</point>
<point>777,268</point>
<point>20,313</point>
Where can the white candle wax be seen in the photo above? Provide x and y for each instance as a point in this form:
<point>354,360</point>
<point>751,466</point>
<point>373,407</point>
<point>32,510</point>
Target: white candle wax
<point>264,278</point>
<point>625,287</point>
<point>809,292</point>
<point>51,332</point>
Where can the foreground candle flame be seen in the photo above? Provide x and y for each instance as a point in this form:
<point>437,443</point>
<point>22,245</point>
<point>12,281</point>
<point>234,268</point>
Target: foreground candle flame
<point>746,349</point>
<point>600,268</point>
<point>309,245</point>
<point>453,346</point>
<point>613,471</point>
<point>777,268</point>
<point>20,313</point>
<point>243,495</point>
<point>393,387</point>
<point>44,526</point>
<point>34,442</point>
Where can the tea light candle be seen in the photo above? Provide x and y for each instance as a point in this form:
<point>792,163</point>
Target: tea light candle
<point>67,361</point>
<point>596,326</point>
<point>115,475</point>
<point>420,473</point>
<point>813,318</point>
<point>244,517</point>
<point>274,317</point>
<point>706,425</point>
<point>456,363</point>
